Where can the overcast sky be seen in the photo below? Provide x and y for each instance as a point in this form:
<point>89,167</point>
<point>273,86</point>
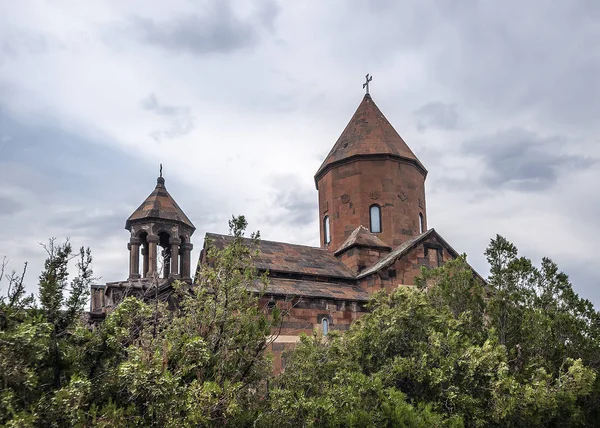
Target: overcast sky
<point>241,101</point>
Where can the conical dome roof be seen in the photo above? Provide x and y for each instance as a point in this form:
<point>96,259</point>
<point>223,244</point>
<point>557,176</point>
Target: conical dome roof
<point>159,205</point>
<point>368,133</point>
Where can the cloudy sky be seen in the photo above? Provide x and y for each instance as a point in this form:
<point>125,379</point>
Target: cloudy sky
<point>241,101</point>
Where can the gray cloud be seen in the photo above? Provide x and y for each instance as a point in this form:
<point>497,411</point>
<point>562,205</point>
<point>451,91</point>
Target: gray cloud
<point>293,201</point>
<point>219,29</point>
<point>151,103</point>
<point>523,160</point>
<point>52,162</point>
<point>584,277</point>
<point>489,49</point>
<point>9,205</point>
<point>181,119</point>
<point>540,60</point>
<point>60,185</point>
<point>19,42</point>
<point>93,224</point>
<point>437,115</point>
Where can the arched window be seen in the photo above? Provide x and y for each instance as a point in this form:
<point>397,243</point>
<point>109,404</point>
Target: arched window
<point>326,230</point>
<point>421,223</point>
<point>375,215</point>
<point>325,324</point>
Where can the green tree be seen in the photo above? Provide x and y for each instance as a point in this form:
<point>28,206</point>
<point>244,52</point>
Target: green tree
<point>324,386</point>
<point>201,362</point>
<point>543,324</point>
<point>517,351</point>
<point>36,347</point>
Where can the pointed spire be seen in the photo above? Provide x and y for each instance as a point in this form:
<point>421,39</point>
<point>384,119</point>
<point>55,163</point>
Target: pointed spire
<point>159,205</point>
<point>368,133</point>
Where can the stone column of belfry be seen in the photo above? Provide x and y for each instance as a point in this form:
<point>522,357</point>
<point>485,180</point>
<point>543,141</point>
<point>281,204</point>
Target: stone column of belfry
<point>175,243</point>
<point>152,248</point>
<point>144,252</point>
<point>134,257</point>
<point>186,257</point>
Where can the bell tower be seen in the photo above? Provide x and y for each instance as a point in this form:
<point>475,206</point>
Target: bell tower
<point>160,234</point>
<point>371,178</point>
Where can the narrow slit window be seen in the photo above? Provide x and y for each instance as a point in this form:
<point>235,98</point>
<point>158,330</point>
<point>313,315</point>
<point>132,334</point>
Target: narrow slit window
<point>326,230</point>
<point>375,214</point>
<point>421,223</point>
<point>325,324</point>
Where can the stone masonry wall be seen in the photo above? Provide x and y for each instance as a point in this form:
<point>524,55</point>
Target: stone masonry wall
<point>404,270</point>
<point>304,315</point>
<point>347,192</point>
<point>359,258</point>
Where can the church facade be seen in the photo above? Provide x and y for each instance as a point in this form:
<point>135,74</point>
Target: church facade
<point>373,232</point>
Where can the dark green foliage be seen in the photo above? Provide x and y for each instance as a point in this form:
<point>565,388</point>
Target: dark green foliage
<point>521,350</point>
<point>37,351</point>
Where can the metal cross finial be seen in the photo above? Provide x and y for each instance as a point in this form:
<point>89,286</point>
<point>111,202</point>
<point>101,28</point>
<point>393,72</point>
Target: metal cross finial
<point>161,170</point>
<point>366,84</point>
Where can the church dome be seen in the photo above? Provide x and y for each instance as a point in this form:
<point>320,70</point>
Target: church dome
<point>368,133</point>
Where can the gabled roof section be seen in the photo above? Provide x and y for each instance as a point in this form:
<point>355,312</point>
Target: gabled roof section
<point>159,205</point>
<point>398,252</point>
<point>362,237</point>
<point>406,247</point>
<point>292,259</point>
<point>368,133</point>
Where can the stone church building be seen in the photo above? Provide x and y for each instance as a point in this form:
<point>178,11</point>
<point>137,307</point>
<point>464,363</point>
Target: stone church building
<point>373,230</point>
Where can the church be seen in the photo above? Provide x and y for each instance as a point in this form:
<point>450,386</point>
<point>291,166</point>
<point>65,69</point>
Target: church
<point>373,232</point>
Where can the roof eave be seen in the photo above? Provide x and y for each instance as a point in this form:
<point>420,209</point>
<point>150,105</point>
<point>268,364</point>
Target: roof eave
<point>129,222</point>
<point>349,247</point>
<point>324,169</point>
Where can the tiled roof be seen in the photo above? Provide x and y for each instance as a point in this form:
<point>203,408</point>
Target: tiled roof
<point>159,205</point>
<point>315,289</point>
<point>368,133</point>
<point>363,238</point>
<point>292,258</point>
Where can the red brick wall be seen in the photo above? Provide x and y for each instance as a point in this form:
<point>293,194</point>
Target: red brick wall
<point>347,191</point>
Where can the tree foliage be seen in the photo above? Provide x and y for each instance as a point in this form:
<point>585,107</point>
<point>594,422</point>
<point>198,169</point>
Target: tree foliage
<point>37,352</point>
<point>521,349</point>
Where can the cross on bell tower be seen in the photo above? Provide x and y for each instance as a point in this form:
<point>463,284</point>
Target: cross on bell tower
<point>366,84</point>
